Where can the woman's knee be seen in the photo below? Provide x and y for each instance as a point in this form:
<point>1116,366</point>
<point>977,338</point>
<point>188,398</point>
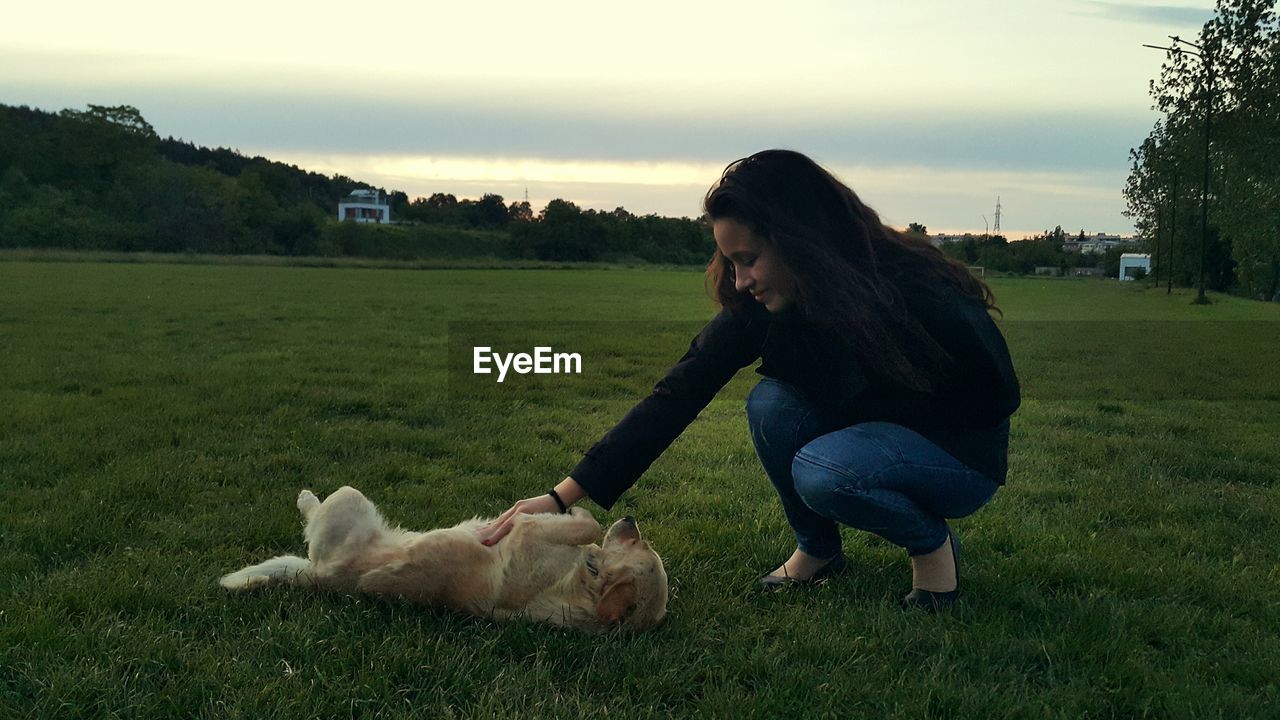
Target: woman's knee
<point>774,411</point>
<point>769,396</point>
<point>839,470</point>
<point>815,482</point>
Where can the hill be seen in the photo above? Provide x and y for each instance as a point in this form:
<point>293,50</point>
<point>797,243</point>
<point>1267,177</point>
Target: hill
<point>102,179</point>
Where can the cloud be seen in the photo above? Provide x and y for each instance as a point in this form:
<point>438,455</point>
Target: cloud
<point>1064,139</point>
<point>1175,16</point>
<point>925,159</point>
<point>313,110</point>
<point>942,170</point>
<point>943,199</point>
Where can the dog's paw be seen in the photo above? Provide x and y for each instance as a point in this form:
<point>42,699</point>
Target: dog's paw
<point>307,500</point>
<point>256,581</point>
<point>237,582</point>
<point>581,512</point>
<point>233,581</point>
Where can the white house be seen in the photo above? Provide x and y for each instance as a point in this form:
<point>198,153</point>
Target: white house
<point>365,206</point>
<point>1130,262</point>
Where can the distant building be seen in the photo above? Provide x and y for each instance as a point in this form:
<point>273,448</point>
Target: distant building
<point>365,206</point>
<point>1086,272</point>
<point>1048,270</point>
<point>1131,263</point>
<point>1098,243</point>
<point>944,238</point>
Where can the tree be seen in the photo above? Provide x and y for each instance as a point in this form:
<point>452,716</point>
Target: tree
<point>491,211</point>
<point>399,201</point>
<point>442,200</point>
<point>1245,43</point>
<point>560,212</point>
<point>520,211</point>
<point>918,231</point>
<point>125,117</point>
<point>1242,46</point>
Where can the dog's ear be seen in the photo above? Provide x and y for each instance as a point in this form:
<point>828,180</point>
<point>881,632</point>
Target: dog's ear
<point>617,600</point>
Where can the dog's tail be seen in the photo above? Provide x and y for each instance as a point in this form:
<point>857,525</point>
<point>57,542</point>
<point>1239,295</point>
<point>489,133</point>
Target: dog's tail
<point>283,570</point>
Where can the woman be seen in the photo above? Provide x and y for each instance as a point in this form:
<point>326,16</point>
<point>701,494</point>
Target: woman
<point>887,386</point>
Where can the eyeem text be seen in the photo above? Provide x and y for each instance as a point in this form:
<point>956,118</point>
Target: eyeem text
<point>542,362</point>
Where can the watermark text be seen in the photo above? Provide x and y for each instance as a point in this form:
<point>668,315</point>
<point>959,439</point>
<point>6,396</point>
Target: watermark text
<point>543,361</point>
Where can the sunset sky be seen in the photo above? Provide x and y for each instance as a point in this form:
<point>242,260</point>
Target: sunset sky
<point>928,109</point>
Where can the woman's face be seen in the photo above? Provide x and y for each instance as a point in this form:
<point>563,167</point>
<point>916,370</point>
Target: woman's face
<point>756,267</point>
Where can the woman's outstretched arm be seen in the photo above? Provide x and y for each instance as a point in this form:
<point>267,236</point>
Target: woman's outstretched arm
<point>569,491</point>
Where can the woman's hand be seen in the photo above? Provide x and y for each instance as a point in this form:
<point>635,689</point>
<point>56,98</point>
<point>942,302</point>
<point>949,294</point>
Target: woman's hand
<point>493,532</point>
<point>569,491</point>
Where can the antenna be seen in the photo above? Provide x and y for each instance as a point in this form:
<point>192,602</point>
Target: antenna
<point>997,227</point>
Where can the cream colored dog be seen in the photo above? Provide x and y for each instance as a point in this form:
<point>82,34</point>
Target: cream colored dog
<point>544,570</point>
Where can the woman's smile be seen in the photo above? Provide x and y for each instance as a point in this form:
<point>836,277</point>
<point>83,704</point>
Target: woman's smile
<point>754,263</point>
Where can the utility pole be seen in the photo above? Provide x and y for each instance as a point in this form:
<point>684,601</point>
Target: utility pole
<point>1207,63</point>
<point>1173,228</point>
<point>1159,242</point>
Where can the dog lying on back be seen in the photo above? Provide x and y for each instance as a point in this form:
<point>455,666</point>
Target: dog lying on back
<point>544,570</point>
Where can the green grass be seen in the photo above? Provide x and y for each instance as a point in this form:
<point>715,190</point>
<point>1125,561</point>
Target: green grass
<point>455,261</point>
<point>159,419</point>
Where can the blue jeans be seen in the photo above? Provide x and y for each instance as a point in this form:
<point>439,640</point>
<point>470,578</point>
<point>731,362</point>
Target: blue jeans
<point>875,476</point>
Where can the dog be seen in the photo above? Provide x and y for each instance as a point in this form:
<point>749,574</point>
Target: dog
<point>547,569</point>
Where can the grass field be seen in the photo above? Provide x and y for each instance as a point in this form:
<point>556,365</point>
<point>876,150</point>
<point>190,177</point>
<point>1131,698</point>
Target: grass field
<point>158,421</point>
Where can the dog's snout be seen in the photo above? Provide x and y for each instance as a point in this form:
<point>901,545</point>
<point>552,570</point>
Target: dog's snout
<point>624,530</point>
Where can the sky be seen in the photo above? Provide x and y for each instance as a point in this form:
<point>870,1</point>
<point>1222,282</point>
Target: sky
<point>929,109</point>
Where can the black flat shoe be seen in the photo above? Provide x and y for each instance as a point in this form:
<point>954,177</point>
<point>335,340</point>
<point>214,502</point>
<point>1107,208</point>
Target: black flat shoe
<point>928,601</point>
<point>932,602</point>
<point>834,566</point>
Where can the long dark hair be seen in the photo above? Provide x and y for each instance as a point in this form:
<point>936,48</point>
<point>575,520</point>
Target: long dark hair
<point>851,271</point>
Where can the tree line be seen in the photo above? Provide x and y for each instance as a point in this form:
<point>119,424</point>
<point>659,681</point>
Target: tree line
<point>996,254</point>
<point>1240,47</point>
<point>102,179</point>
